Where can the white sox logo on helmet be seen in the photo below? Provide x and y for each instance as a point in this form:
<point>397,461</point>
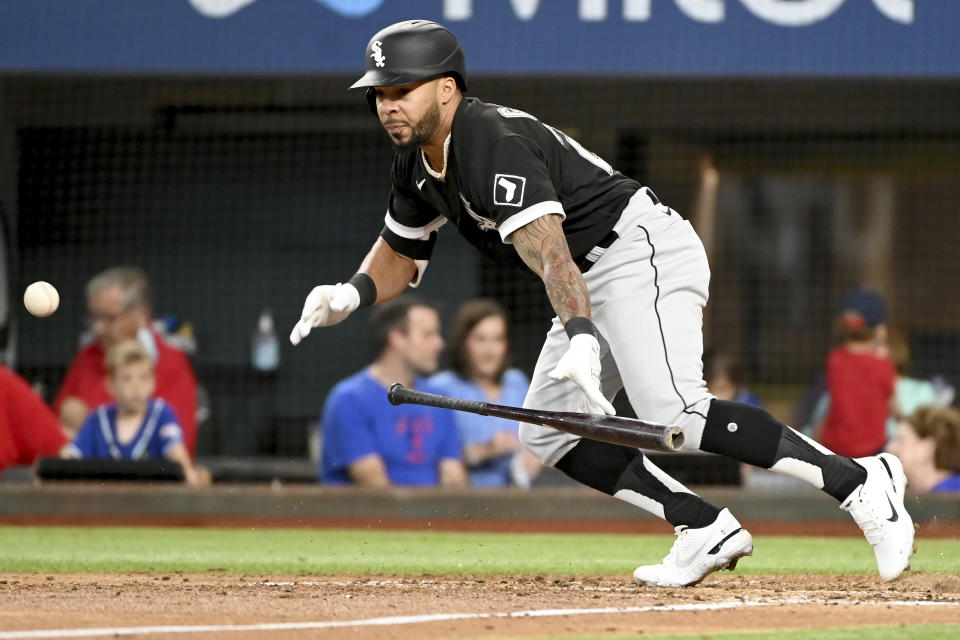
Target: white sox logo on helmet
<point>377,54</point>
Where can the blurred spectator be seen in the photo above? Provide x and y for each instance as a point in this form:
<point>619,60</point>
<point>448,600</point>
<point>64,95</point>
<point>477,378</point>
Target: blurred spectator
<point>118,301</point>
<point>860,379</point>
<point>928,443</point>
<point>369,442</point>
<point>136,426</point>
<point>28,428</point>
<point>724,377</point>
<point>479,355</point>
<point>910,393</point>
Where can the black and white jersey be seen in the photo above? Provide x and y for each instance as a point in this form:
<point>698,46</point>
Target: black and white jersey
<point>504,169</point>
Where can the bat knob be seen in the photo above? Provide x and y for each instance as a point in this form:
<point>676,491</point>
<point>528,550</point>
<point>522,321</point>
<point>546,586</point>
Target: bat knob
<point>393,395</point>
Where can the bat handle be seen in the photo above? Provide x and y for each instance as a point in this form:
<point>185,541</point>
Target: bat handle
<point>399,394</point>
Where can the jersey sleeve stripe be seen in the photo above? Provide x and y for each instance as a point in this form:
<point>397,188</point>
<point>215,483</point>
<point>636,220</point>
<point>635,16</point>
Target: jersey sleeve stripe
<point>528,215</point>
<point>414,233</point>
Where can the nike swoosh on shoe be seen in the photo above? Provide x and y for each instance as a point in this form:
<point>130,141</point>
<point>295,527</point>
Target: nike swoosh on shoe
<point>716,548</point>
<point>895,516</point>
<point>886,467</point>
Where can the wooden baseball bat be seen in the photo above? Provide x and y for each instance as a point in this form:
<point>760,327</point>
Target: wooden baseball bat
<point>614,429</point>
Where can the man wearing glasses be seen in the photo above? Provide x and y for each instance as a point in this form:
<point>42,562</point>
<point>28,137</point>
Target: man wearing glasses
<point>118,302</point>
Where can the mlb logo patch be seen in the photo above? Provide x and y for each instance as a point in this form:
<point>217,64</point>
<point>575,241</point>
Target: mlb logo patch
<point>508,190</point>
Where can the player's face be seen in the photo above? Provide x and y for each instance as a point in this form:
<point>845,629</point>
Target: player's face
<point>410,113</point>
<point>486,347</point>
<point>422,343</point>
<point>112,318</point>
<point>132,385</point>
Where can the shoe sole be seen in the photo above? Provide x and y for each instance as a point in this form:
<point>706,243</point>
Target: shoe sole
<point>723,562</point>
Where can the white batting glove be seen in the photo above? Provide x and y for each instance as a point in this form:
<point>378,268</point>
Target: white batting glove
<point>581,363</point>
<point>325,306</point>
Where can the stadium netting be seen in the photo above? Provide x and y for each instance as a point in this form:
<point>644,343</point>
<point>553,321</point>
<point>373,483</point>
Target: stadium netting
<point>238,194</point>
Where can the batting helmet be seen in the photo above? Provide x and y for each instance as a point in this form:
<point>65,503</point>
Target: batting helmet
<point>410,51</point>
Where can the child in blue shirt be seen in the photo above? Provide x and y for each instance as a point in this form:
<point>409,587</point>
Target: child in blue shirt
<point>135,426</point>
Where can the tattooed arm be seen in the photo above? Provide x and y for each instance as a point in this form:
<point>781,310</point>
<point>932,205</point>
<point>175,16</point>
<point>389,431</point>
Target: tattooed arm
<point>543,247</point>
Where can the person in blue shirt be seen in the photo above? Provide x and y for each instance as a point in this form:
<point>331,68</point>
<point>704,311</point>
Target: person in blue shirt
<point>135,426</point>
<point>479,355</point>
<point>928,443</point>
<point>366,441</point>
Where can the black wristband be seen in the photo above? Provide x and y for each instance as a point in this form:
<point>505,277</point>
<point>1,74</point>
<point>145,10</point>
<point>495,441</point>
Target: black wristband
<point>578,325</point>
<point>366,287</point>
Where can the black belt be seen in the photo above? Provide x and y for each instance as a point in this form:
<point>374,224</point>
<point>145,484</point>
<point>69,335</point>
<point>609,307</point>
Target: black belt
<point>590,257</point>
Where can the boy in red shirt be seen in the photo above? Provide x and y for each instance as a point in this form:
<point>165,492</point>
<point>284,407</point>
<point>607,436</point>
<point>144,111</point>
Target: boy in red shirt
<point>861,382</point>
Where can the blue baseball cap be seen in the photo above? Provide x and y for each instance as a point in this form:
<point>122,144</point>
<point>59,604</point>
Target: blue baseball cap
<point>864,307</point>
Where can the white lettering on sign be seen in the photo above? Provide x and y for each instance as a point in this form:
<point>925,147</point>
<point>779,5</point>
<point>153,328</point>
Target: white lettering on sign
<point>896,10</point>
<point>783,13</point>
<point>699,10</point>
<point>787,13</point>
<point>791,13</point>
<point>593,10</point>
<point>463,9</point>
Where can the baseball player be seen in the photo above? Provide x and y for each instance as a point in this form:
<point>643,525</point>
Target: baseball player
<point>627,277</point>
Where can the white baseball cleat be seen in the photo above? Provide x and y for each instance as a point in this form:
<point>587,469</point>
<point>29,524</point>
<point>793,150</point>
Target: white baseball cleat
<point>877,507</point>
<point>699,552</point>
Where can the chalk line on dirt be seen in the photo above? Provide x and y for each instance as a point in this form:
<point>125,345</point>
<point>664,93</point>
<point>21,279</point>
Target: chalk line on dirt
<point>418,619</point>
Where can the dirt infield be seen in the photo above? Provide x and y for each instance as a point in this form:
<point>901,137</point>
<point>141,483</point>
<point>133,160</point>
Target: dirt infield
<point>457,607</point>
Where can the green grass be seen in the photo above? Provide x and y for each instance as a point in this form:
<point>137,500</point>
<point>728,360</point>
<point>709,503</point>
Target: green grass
<point>292,551</point>
<point>891,632</point>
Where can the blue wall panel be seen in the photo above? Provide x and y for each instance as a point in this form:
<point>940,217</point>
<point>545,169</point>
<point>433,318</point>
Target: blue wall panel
<point>643,37</point>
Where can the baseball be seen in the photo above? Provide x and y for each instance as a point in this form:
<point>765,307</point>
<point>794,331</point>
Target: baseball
<point>41,299</point>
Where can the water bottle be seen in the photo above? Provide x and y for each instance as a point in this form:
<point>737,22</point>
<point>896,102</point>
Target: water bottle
<point>265,351</point>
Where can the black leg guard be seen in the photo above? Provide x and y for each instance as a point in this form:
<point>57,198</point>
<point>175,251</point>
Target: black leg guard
<point>597,464</point>
<point>611,468</point>
<point>752,435</point>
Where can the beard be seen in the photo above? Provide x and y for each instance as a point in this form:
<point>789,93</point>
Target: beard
<point>423,131</point>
